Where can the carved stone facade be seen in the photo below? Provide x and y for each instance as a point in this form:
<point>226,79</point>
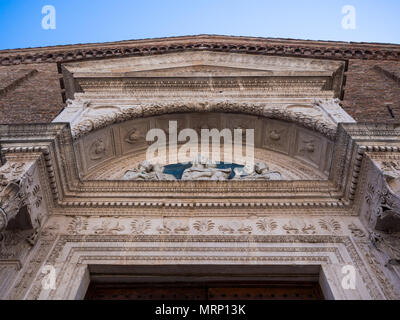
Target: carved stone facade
<point>327,196</point>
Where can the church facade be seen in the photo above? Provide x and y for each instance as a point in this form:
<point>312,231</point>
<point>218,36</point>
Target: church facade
<point>87,212</point>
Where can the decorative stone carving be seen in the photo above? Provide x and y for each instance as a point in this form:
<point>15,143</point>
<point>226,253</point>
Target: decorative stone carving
<point>140,226</point>
<point>133,136</point>
<point>77,225</point>
<point>202,171</point>
<point>275,135</point>
<point>149,172</point>
<point>333,109</point>
<point>330,225</point>
<point>12,199</point>
<point>382,196</point>
<point>388,246</point>
<point>3,220</point>
<point>97,150</point>
<point>356,231</point>
<point>143,89</point>
<point>315,119</point>
<point>14,245</point>
<point>208,171</point>
<point>267,225</point>
<point>108,228</point>
<point>308,146</point>
<point>207,222</point>
<point>203,225</point>
<point>260,171</point>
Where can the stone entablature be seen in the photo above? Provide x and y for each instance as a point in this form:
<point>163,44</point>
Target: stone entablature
<point>293,89</point>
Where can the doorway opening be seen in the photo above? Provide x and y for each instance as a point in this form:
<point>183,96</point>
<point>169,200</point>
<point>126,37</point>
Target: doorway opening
<point>205,282</point>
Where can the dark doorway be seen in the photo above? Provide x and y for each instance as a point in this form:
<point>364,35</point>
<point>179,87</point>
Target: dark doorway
<point>204,283</point>
<point>210,291</point>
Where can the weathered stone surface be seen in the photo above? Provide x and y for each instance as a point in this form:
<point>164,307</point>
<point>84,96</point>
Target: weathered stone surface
<point>329,194</point>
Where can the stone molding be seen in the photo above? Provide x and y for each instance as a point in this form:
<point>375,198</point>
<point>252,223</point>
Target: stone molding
<point>72,253</point>
<point>295,48</point>
<point>56,144</point>
<point>19,189</point>
<point>322,115</point>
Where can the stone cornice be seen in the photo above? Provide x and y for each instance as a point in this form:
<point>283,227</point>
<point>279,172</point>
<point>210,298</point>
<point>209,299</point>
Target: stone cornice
<point>266,46</point>
<point>68,189</point>
<point>336,195</point>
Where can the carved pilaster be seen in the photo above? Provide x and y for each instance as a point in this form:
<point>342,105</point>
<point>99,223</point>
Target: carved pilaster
<point>381,201</point>
<point>388,246</point>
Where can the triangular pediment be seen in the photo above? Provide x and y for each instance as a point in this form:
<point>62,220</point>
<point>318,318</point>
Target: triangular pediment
<point>192,70</point>
<point>202,63</point>
<point>198,71</point>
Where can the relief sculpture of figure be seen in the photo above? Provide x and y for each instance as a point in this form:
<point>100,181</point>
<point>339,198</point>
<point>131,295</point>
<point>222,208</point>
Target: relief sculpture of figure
<point>207,171</point>
<point>260,172</point>
<point>202,169</point>
<point>147,172</point>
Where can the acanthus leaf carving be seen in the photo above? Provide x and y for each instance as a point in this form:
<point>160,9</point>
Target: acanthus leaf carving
<point>330,225</point>
<point>12,198</point>
<point>140,226</point>
<point>388,246</point>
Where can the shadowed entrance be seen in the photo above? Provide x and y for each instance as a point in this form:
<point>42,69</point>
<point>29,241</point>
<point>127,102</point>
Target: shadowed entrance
<point>204,283</point>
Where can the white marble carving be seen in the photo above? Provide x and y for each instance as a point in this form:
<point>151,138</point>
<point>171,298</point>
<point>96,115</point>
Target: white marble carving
<point>259,171</point>
<point>148,172</point>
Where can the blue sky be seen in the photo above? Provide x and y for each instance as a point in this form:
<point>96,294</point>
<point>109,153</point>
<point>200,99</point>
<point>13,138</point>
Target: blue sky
<point>86,21</point>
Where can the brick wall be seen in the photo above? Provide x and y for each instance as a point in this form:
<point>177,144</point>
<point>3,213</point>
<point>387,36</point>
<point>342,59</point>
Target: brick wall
<point>29,93</point>
<point>369,85</point>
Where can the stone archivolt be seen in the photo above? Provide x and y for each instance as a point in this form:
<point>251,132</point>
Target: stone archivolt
<point>268,46</point>
<point>321,115</point>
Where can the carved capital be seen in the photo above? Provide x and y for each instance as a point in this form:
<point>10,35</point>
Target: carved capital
<point>388,246</point>
<point>20,188</point>
<point>382,195</point>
